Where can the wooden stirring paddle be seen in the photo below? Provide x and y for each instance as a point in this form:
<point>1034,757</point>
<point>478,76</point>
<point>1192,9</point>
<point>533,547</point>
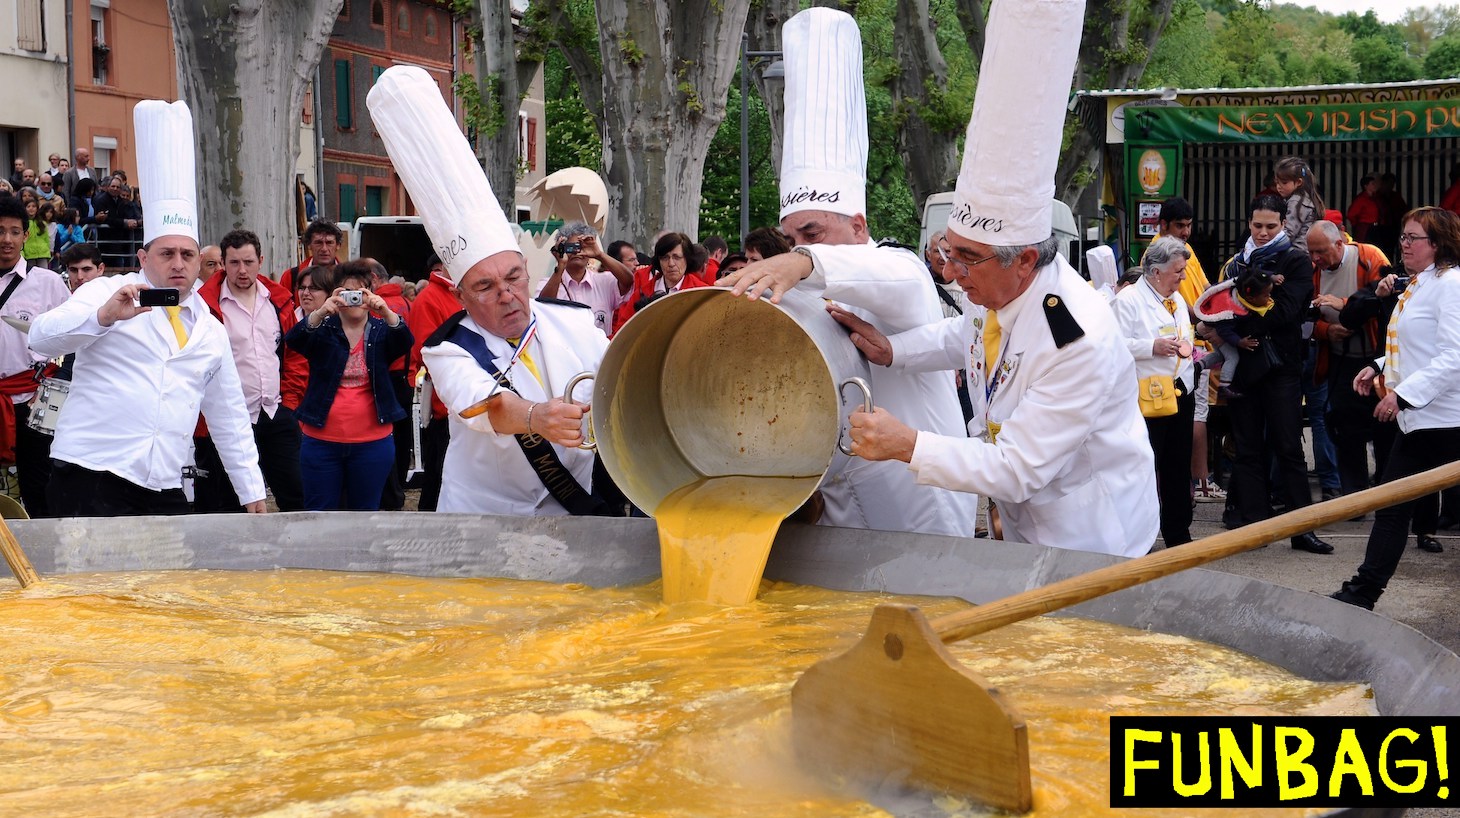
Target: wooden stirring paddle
<point>15,557</point>
<point>898,707</point>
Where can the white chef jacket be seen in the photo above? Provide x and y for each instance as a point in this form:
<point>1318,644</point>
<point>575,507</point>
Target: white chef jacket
<point>39,290</point>
<point>486,472</point>
<point>890,287</point>
<point>1072,466</point>
<point>135,397</point>
<point>1429,352</point>
<point>1141,314</point>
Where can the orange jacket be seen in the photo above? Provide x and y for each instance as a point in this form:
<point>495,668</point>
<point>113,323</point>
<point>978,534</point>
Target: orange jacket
<point>1372,263</point>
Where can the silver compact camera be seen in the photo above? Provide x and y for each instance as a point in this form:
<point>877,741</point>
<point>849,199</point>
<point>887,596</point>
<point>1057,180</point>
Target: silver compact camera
<point>352,298</point>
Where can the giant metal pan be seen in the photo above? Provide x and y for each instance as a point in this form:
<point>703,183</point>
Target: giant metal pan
<point>1309,634</point>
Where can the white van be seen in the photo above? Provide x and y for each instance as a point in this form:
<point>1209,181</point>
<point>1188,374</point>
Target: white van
<point>939,205</point>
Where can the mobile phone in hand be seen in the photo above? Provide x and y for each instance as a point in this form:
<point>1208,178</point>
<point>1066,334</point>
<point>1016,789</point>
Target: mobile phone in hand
<point>159,297</point>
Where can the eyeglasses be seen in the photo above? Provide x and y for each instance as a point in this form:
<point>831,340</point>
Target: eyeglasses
<point>1407,239</point>
<point>965,266</point>
<point>311,288</point>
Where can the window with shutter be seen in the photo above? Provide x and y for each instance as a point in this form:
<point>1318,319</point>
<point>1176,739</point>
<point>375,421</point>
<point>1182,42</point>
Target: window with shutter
<point>347,203</point>
<point>344,96</point>
<point>532,143</point>
<point>31,25</point>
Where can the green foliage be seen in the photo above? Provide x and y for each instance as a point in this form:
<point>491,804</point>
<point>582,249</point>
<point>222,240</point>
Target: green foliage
<point>483,112</point>
<point>720,197</point>
<point>1443,59</point>
<point>1187,55</point>
<point>1381,60</point>
<point>630,50</point>
<point>572,135</point>
<point>1370,26</point>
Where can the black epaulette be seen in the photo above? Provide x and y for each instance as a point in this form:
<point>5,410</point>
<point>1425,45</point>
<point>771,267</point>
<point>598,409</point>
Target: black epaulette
<point>562,302</point>
<point>1062,325</point>
<point>895,243</point>
<point>447,327</point>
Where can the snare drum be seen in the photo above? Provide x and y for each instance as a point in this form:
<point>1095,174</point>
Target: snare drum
<point>45,410</point>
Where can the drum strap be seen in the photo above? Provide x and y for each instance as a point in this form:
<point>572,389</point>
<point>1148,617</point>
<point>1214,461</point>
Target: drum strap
<point>540,454</point>
<point>9,288</point>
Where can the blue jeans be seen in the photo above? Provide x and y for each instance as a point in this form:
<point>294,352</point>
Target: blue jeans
<point>352,472</point>
<point>1325,457</point>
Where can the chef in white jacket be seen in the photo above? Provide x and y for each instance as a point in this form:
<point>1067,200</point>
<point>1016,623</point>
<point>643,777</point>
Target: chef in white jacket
<point>823,210</point>
<point>1060,443</point>
<point>143,374</point>
<point>520,454</point>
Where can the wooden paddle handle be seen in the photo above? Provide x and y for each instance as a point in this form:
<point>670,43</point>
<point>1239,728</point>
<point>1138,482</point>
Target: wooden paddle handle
<point>1086,587</point>
<point>15,557</point>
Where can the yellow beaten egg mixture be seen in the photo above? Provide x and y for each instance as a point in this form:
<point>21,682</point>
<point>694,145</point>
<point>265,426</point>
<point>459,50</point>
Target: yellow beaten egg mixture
<point>305,693</point>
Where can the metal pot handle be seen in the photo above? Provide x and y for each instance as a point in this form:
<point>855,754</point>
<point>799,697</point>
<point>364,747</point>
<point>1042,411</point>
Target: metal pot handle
<point>589,441</point>
<point>866,406</point>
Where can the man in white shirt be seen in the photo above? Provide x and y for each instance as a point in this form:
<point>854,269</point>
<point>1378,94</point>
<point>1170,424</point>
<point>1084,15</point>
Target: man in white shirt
<point>256,313</point>
<point>143,375</point>
<point>25,292</point>
<point>603,290</point>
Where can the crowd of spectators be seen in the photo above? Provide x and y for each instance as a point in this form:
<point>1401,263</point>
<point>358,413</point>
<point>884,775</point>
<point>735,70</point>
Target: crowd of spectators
<point>68,205</point>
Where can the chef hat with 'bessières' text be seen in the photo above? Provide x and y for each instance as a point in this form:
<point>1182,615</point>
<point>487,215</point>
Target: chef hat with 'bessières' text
<point>437,165</point>
<point>824,156</point>
<point>167,178</point>
<point>1006,184</point>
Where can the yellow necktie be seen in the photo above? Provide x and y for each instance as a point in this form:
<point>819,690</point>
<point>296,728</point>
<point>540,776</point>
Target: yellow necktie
<point>991,338</point>
<point>526,358</point>
<point>1170,304</point>
<point>174,317</point>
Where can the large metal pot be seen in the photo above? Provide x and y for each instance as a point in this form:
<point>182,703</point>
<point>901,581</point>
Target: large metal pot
<point>702,383</point>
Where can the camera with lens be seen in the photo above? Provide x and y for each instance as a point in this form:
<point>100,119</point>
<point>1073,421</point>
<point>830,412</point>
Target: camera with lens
<point>352,298</point>
<point>568,248</point>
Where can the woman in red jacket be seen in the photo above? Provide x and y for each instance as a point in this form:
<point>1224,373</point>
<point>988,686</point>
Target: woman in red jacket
<point>667,273</point>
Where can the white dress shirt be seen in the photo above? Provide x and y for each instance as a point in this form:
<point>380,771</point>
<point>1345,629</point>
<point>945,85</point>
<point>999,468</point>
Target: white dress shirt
<point>485,471</point>
<point>1141,314</point>
<point>1072,466</point>
<point>39,290</point>
<point>135,397</point>
<point>1429,352</point>
<point>890,287</point>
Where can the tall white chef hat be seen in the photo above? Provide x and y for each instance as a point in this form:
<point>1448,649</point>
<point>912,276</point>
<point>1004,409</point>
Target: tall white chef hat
<point>445,180</point>
<point>824,159</point>
<point>166,169</point>
<point>1009,158</point>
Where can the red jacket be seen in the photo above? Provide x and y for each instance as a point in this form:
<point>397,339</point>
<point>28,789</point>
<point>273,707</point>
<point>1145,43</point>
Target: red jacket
<point>1372,262</point>
<point>644,279</point>
<point>293,369</point>
<point>433,305</point>
<point>395,298</point>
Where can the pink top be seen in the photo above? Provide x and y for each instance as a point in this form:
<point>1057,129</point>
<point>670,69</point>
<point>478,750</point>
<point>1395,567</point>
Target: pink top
<point>254,336</point>
<point>352,417</point>
<point>598,290</point>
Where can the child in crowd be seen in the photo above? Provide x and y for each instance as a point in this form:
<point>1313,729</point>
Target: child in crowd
<point>1228,308</point>
<point>68,230</point>
<point>1293,180</point>
<point>37,248</point>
